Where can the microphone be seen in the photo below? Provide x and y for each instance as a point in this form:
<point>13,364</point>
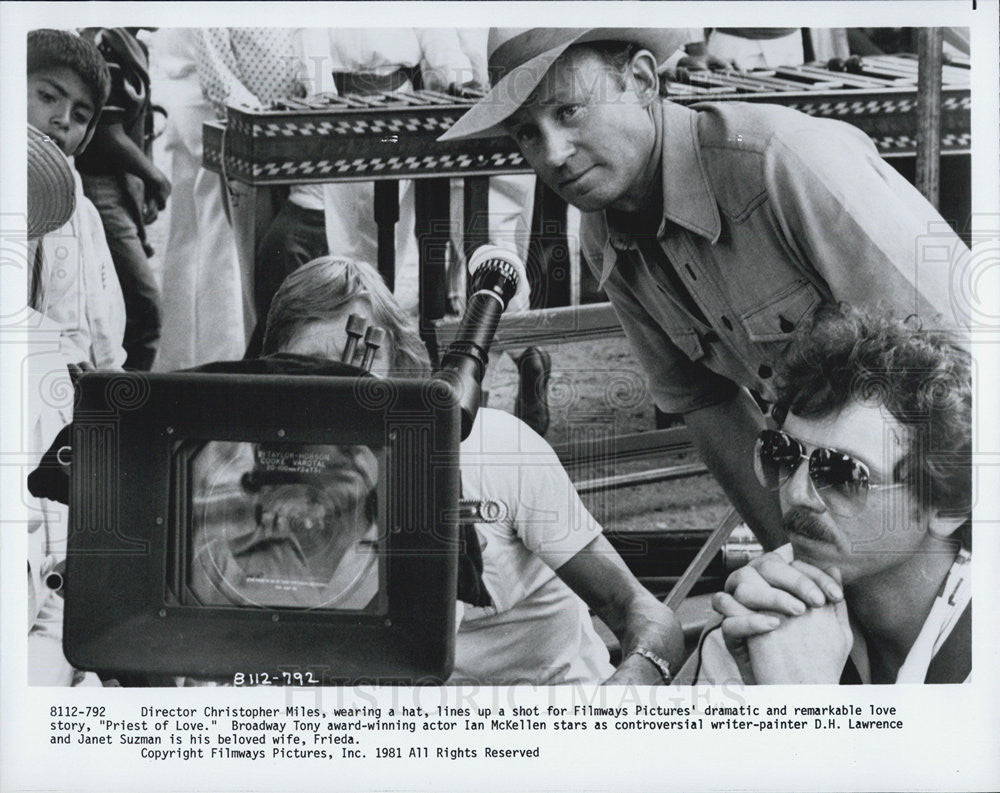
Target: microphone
<point>496,276</point>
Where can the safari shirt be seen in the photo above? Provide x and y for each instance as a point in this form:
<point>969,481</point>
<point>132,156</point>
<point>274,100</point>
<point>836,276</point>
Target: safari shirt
<point>767,212</point>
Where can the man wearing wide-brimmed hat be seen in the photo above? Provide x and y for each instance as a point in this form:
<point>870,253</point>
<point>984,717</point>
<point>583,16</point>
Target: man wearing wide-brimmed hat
<point>715,229</point>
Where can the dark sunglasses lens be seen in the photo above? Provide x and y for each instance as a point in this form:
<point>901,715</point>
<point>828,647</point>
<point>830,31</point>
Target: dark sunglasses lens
<point>843,480</point>
<point>776,456</point>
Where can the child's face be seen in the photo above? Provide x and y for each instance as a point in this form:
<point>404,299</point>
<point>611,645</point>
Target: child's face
<point>60,105</point>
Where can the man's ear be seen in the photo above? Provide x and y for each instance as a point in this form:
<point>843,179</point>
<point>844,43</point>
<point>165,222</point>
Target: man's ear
<point>944,523</point>
<point>643,71</point>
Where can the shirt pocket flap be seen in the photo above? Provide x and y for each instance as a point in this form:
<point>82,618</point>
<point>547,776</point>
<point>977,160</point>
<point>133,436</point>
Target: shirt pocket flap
<point>688,341</point>
<point>777,319</point>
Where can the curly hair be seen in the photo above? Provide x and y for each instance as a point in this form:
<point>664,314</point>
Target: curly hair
<point>318,292</point>
<point>922,377</point>
<point>53,49</point>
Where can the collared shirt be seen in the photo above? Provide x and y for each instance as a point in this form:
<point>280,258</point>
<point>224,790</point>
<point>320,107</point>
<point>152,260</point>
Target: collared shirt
<point>953,598</point>
<point>767,213</point>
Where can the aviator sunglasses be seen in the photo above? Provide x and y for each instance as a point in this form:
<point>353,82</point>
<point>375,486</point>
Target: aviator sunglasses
<point>841,481</point>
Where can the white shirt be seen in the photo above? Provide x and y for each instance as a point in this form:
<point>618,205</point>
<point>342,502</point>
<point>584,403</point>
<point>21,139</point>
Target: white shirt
<point>954,596</point>
<point>80,288</point>
<point>537,630</point>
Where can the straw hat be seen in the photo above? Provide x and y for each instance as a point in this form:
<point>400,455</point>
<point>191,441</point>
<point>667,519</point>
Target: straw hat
<point>51,190</point>
<point>520,57</point>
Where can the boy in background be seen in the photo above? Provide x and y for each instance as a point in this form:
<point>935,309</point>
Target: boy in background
<point>73,281</point>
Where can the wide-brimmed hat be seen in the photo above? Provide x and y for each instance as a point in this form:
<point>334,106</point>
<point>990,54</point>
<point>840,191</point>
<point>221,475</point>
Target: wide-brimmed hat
<point>520,57</point>
<point>51,190</point>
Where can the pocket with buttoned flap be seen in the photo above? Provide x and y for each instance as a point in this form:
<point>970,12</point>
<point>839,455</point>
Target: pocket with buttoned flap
<point>782,314</point>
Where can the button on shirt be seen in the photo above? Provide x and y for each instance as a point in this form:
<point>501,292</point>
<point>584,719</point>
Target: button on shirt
<point>767,213</point>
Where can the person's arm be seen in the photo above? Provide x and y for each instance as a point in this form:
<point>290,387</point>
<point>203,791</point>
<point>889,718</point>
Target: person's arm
<point>785,621</point>
<point>47,666</point>
<point>851,219</point>
<point>690,55</point>
<point>114,145</point>
<point>694,57</point>
<point>314,51</point>
<point>809,648</point>
<point>218,71</point>
<point>551,521</point>
<point>444,63</point>
<point>775,582</point>
<point>473,43</point>
<point>105,307</point>
<point>599,576</point>
<point>724,435</point>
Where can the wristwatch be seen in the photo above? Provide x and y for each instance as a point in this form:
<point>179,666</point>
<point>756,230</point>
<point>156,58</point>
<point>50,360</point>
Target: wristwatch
<point>661,666</point>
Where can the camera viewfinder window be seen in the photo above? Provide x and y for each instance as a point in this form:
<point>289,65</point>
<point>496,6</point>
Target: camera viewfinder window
<point>283,525</point>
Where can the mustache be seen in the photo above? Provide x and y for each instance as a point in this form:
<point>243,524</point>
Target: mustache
<point>806,524</point>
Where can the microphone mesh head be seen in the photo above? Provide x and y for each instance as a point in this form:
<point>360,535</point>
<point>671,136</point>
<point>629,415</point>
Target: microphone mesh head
<point>503,269</point>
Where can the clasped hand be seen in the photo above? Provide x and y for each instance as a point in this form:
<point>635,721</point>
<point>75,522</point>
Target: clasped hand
<point>785,621</point>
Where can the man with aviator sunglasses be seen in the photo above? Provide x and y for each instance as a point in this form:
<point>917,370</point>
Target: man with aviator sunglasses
<point>840,481</point>
<point>872,465</point>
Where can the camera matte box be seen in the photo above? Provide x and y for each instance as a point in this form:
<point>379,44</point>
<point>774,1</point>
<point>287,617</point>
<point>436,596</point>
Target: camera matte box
<point>127,528</point>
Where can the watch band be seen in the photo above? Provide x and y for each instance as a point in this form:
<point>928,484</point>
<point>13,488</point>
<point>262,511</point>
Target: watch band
<point>662,666</point>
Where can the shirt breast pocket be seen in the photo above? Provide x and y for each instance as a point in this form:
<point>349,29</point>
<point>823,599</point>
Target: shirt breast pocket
<point>688,342</point>
<point>782,314</point>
